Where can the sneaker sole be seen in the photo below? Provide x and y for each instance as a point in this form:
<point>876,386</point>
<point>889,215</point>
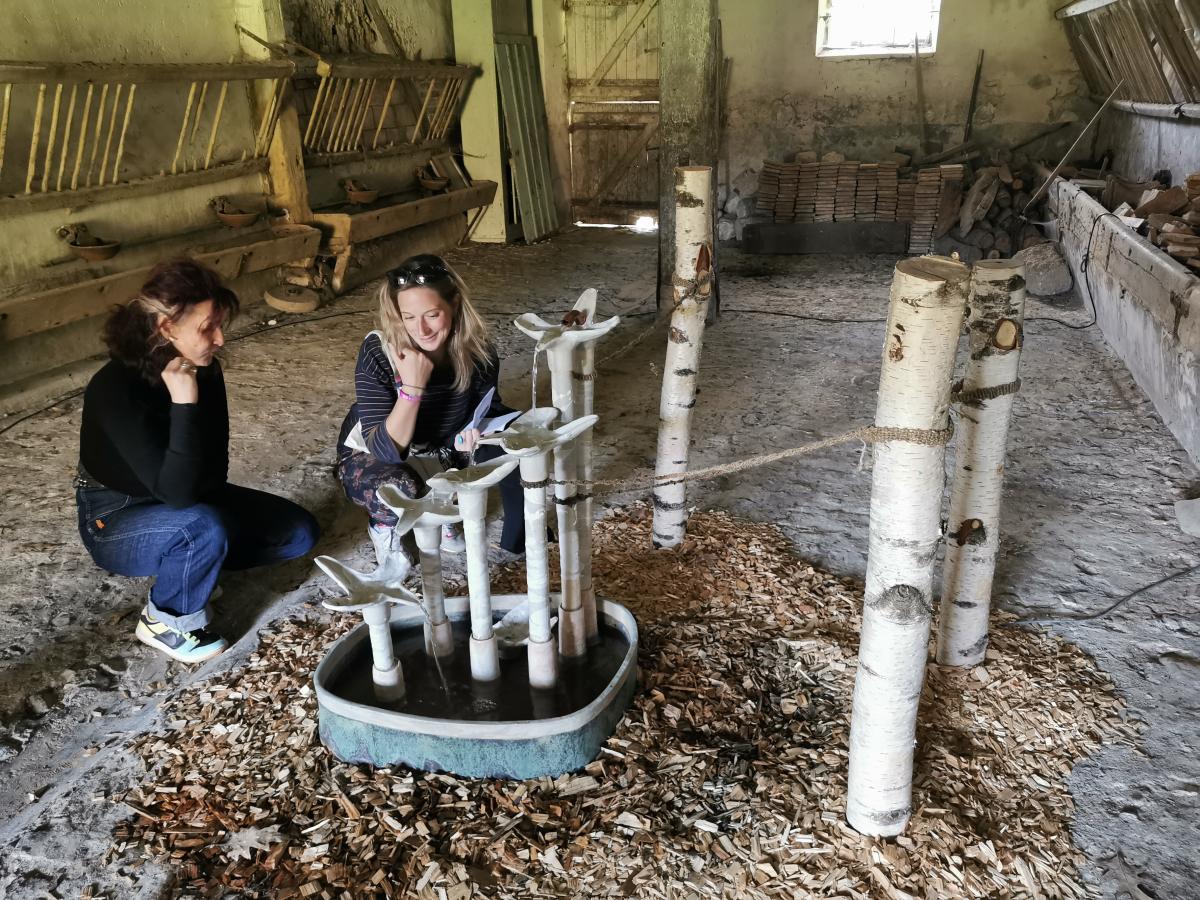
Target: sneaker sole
<point>152,641</point>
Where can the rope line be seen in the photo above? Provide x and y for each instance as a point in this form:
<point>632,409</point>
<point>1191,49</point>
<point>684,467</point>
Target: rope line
<point>869,434</point>
<point>987,393</point>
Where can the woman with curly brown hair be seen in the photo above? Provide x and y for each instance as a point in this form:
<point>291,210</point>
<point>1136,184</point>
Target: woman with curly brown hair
<point>152,490</point>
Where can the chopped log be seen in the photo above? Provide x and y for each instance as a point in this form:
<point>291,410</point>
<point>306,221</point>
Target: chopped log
<point>1003,244</point>
<point>1004,198</point>
<point>979,199</point>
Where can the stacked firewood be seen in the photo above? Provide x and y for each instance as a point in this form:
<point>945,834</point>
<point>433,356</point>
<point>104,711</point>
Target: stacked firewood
<point>1170,218</point>
<point>989,222</point>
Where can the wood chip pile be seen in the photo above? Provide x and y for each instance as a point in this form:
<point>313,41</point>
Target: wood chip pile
<point>726,778</point>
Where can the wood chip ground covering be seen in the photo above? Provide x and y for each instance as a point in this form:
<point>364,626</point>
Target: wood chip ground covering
<point>726,778</point>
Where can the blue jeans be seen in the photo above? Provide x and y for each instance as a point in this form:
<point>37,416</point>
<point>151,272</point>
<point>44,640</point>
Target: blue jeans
<point>236,528</point>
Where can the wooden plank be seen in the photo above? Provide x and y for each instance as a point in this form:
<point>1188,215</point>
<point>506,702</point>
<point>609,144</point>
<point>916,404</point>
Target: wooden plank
<point>52,308</point>
<point>623,165</point>
<point>386,67</point>
<point>15,204</point>
<point>630,89</point>
<point>377,223</point>
<point>524,116</point>
<point>16,72</point>
<point>1082,7</point>
<point>631,26</point>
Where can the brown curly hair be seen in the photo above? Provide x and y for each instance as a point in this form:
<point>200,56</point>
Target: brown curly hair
<point>133,332</point>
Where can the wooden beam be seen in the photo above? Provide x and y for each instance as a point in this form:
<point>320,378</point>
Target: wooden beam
<point>387,67</point>
<point>15,72</point>
<point>628,89</point>
<point>15,204</point>
<point>1081,7</point>
<point>51,308</point>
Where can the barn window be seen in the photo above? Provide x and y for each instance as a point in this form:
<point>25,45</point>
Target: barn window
<point>876,27</point>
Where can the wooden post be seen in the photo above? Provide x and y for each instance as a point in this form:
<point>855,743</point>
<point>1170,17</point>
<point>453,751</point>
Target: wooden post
<point>928,301</point>
<point>985,406</point>
<point>283,142</point>
<point>691,283</point>
<point>688,90</point>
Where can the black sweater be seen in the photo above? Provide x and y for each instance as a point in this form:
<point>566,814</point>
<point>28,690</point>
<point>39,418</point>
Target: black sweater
<point>135,440</point>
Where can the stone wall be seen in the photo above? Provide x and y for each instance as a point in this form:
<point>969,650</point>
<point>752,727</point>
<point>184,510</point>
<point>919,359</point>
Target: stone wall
<point>783,97</point>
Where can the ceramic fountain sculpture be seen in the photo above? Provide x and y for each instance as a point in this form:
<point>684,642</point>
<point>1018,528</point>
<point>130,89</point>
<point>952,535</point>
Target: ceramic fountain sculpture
<point>486,714</point>
<point>531,439</point>
<point>373,596</point>
<point>428,516</point>
<point>563,344</point>
<point>471,485</point>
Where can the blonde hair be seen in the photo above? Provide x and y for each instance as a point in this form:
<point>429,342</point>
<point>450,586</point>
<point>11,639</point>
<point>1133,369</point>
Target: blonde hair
<point>468,342</point>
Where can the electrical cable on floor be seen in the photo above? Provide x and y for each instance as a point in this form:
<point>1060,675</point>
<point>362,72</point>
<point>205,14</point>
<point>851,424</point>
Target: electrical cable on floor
<point>1085,270</point>
<point>1085,617</point>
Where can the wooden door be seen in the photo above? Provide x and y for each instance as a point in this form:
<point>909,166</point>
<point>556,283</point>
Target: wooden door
<point>612,67</point>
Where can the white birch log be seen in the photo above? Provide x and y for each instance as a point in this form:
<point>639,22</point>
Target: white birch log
<point>691,285</point>
<point>928,302</point>
<point>973,532</point>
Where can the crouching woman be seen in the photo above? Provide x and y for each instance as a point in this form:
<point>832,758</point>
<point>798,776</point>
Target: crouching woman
<point>418,381</point>
<point>152,489</point>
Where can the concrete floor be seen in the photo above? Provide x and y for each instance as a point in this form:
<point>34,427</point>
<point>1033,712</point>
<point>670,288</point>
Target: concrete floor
<point>1088,520</point>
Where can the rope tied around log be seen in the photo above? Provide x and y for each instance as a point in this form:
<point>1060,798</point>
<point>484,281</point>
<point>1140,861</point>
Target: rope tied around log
<point>987,393</point>
<point>868,434</point>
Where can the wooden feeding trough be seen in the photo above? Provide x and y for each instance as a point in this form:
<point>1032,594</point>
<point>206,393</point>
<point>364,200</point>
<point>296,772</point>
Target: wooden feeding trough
<point>344,229</point>
<point>89,291</point>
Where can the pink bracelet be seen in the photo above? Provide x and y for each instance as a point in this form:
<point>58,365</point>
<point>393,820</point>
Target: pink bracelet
<point>405,395</point>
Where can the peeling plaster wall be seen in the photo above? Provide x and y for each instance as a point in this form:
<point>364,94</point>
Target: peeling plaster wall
<point>783,98</point>
<point>117,31</point>
<point>1142,145</point>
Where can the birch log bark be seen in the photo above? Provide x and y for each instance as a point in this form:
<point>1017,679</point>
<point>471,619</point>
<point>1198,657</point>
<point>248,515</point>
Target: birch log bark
<point>928,302</point>
<point>691,283</point>
<point>973,533</point>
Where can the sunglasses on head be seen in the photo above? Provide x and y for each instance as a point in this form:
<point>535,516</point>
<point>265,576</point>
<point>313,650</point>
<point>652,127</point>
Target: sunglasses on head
<point>422,273</point>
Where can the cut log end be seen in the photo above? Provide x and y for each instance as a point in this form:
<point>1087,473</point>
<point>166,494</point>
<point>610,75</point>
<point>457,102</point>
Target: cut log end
<point>934,268</point>
<point>1008,335</point>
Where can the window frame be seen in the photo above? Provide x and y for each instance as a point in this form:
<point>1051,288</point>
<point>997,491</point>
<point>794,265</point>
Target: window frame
<point>824,12</point>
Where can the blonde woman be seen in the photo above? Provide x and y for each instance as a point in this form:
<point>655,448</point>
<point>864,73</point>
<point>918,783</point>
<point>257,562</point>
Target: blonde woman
<point>418,381</point>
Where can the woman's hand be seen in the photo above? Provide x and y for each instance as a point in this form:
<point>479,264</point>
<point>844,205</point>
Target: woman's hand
<point>413,368</point>
<point>467,440</point>
<point>179,376</point>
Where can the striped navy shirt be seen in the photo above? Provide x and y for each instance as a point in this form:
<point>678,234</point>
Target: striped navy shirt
<point>443,413</point>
